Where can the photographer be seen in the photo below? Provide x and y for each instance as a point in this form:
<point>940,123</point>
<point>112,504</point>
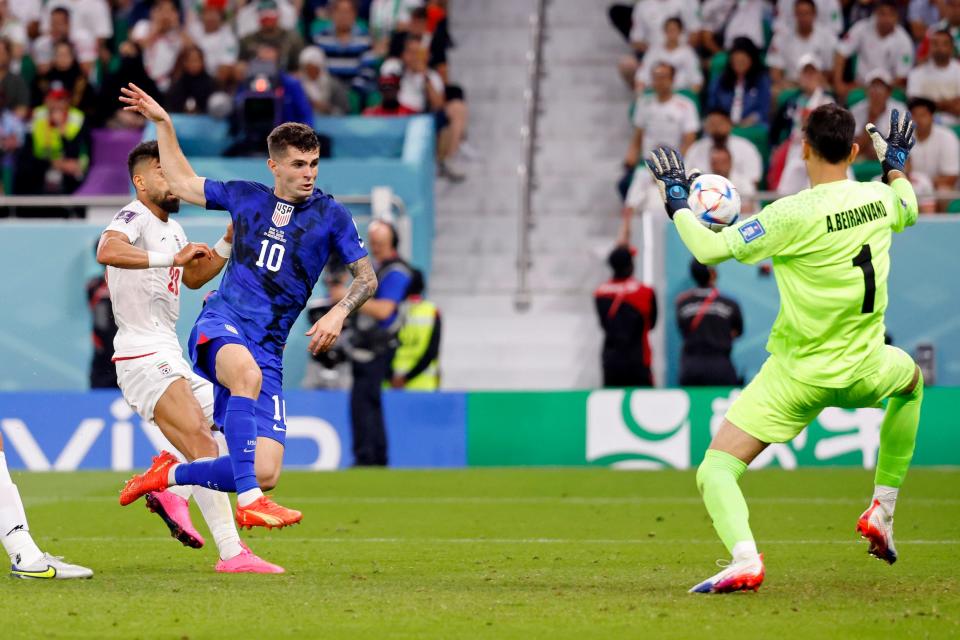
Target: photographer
<point>330,369</point>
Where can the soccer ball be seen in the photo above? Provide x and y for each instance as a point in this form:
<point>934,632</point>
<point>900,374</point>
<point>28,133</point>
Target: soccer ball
<point>714,201</point>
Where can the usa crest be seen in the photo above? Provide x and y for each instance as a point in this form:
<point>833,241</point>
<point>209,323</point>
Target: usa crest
<point>281,214</point>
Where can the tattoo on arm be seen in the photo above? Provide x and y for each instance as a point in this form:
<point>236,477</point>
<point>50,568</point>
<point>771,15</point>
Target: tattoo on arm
<point>364,285</point>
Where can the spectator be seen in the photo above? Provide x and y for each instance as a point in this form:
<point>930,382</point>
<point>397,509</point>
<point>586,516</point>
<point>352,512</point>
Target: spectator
<point>793,111</point>
<point>160,39</point>
<point>416,363</point>
<point>879,42</point>
<point>348,48</point>
<point>829,17</point>
<point>88,19</point>
<point>84,46</point>
<point>807,37</point>
<point>109,112</point>
<point>295,105</point>
<point>854,12</point>
<point>287,42</point>
<point>709,323</point>
<point>248,16</point>
<point>192,85</point>
<point>792,174</point>
<point>939,78</point>
<point>377,323</point>
<point>627,310</point>
<point>936,155</point>
<point>387,16</point>
<point>437,43</point>
<point>661,118</point>
<point>675,52</point>
<point>13,31</point>
<point>27,13</point>
<point>53,161</point>
<point>726,20</point>
<point>716,134</point>
<point>330,369</point>
<point>103,372</point>
<point>216,40</point>
<point>65,72</point>
<point>876,109</point>
<point>328,96</point>
<point>921,15</point>
<point>950,21</point>
<point>646,29</point>
<point>743,89</point>
<point>389,86</point>
<point>721,164</point>
<point>13,89</point>
<point>12,133</point>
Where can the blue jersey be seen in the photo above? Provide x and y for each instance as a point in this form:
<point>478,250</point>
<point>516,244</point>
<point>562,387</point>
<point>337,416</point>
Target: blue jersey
<point>279,250</point>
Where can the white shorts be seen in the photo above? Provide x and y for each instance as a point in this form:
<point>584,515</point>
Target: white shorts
<point>144,380</point>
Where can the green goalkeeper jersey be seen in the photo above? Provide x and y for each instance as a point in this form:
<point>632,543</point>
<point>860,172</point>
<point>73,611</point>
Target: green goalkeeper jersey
<point>831,256</point>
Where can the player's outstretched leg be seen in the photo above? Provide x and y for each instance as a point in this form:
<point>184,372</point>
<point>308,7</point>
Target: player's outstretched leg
<point>26,559</point>
<point>898,435</point>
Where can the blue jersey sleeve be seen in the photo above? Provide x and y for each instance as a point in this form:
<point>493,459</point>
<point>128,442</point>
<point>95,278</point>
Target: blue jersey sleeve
<point>346,239</point>
<point>221,195</point>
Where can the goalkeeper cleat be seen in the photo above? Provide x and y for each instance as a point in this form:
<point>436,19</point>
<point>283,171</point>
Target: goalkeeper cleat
<point>50,567</point>
<point>247,562</point>
<point>743,575</point>
<point>264,512</point>
<point>175,513</point>
<point>876,526</point>
<point>153,479</point>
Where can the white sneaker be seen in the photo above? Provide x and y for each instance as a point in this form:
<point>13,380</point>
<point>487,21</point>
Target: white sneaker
<point>876,525</point>
<point>736,576</point>
<point>50,567</point>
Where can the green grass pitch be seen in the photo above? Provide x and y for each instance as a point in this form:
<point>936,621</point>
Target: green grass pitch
<point>495,553</point>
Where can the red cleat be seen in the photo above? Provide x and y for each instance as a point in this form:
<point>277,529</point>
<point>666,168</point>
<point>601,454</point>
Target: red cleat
<point>876,526</point>
<point>264,512</point>
<point>153,479</point>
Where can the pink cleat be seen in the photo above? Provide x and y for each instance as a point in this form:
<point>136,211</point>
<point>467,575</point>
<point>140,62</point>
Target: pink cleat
<point>175,513</point>
<point>247,562</point>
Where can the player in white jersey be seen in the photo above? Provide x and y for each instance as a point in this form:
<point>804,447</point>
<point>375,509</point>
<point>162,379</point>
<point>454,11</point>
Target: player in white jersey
<point>148,257</point>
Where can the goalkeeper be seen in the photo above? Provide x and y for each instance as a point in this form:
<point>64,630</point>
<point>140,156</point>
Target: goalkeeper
<point>830,246</point>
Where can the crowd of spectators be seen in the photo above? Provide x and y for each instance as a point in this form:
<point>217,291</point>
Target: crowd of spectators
<point>731,82</point>
<point>62,63</point>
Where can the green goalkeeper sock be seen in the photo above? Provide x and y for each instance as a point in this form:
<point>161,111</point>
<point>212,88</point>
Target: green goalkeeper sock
<point>717,480</point>
<point>898,435</point>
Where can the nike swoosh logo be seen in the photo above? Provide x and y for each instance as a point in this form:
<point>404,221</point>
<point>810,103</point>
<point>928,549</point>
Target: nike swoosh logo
<point>49,572</point>
<point>249,450</point>
<point>276,428</point>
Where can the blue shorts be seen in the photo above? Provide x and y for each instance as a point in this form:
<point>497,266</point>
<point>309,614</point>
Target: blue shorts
<point>210,333</point>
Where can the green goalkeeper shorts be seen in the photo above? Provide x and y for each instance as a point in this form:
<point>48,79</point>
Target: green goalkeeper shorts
<point>775,407</point>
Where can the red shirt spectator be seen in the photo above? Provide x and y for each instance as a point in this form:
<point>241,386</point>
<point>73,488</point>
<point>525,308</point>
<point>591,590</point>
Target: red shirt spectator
<point>389,86</point>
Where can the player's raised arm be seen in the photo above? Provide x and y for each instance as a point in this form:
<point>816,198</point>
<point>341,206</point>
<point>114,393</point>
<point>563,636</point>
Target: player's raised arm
<point>183,180</point>
<point>327,329</point>
<point>674,183</point>
<point>200,271</point>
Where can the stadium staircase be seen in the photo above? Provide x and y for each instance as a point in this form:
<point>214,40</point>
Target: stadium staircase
<point>583,133</point>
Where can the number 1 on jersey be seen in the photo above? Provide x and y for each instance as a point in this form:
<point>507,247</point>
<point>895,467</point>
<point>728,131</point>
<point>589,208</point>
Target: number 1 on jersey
<point>275,259</point>
<point>863,260</point>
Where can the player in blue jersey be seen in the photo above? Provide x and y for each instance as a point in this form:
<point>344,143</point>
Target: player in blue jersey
<point>282,238</point>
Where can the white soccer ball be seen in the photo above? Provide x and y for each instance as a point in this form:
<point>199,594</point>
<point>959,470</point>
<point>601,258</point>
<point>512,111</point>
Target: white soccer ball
<point>714,201</point>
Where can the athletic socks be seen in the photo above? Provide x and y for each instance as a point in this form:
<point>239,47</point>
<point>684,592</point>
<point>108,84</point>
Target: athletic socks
<point>887,497</point>
<point>212,473</point>
<point>240,429</point>
<point>216,510</point>
<point>898,435</point>
<point>717,479</point>
<point>14,531</point>
<point>181,491</point>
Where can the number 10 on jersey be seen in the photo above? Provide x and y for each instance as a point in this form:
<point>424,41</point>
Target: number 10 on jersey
<point>271,255</point>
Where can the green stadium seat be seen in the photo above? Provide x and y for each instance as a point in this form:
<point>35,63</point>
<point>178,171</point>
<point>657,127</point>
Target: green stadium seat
<point>856,95</point>
<point>866,170</point>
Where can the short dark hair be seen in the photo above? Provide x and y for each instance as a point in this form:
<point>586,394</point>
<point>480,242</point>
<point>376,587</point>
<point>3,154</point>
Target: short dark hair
<point>621,262</point>
<point>673,70</point>
<point>148,150</point>
<point>417,284</point>
<point>890,4</point>
<point>920,101</point>
<point>674,19</point>
<point>700,273</point>
<point>420,13</point>
<point>717,111</point>
<point>63,10</point>
<point>292,134</point>
<point>830,131</point>
<point>809,2</point>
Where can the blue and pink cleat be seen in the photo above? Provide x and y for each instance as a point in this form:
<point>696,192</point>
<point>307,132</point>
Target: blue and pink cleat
<point>744,575</point>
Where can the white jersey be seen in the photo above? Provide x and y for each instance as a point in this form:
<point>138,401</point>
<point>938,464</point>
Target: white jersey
<point>146,302</point>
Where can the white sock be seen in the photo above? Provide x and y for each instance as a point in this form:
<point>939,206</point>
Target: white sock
<point>248,496</point>
<point>14,531</point>
<point>216,510</point>
<point>887,497</point>
<point>172,475</point>
<point>184,491</point>
<point>744,550</point>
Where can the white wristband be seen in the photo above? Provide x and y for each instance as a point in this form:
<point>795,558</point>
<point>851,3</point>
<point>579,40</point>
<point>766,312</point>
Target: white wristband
<point>223,248</point>
<point>159,259</point>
